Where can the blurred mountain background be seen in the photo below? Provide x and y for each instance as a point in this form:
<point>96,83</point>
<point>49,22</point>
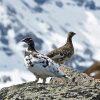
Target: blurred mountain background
<point>48,23</point>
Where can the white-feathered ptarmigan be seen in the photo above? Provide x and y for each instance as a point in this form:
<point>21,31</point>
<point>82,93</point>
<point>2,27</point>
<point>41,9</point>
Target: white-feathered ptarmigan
<point>40,65</point>
<point>59,55</point>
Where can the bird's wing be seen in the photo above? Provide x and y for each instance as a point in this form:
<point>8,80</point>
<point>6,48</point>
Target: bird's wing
<point>65,52</point>
<point>59,53</point>
<point>48,65</point>
<point>52,53</point>
<point>39,59</point>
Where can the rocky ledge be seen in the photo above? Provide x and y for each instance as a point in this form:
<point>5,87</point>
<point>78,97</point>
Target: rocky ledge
<point>79,87</point>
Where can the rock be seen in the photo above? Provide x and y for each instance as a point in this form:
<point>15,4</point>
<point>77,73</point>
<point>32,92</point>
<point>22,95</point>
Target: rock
<point>79,87</point>
<point>94,70</point>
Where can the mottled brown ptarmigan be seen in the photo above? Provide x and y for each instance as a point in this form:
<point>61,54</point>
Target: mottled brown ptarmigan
<point>59,55</point>
<point>40,65</point>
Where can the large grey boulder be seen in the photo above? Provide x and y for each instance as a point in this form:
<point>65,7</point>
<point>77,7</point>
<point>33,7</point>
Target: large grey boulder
<point>79,87</point>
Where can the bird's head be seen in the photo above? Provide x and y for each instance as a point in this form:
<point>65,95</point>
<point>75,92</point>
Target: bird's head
<point>30,42</point>
<point>71,34</point>
<point>27,40</point>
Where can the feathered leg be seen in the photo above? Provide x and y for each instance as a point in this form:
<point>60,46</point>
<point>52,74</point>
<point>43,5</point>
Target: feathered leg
<point>44,80</point>
<point>37,78</point>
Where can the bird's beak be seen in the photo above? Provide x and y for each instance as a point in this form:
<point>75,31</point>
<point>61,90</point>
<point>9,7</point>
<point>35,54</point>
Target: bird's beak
<point>74,34</point>
<point>22,40</point>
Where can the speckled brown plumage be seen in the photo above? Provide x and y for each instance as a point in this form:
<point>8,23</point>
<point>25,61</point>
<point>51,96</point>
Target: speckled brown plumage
<point>59,55</point>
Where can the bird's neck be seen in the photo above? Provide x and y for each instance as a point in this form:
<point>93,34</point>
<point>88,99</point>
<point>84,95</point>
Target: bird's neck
<point>69,41</point>
<point>31,46</point>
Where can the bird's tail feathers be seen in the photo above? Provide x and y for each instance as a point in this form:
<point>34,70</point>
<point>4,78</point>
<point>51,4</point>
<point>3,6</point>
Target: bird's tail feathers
<point>65,76</point>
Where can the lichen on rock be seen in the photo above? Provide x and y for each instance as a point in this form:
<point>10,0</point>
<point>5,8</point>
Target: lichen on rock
<point>79,87</point>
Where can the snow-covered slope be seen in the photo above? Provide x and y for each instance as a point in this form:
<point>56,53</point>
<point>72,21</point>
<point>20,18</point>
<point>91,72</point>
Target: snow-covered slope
<point>47,22</point>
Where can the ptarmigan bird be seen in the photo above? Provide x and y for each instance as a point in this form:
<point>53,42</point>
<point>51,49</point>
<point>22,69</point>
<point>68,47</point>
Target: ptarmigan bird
<point>40,65</point>
<point>59,55</point>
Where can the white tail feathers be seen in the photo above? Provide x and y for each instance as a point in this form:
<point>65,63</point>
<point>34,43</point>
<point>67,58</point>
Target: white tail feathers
<point>65,76</point>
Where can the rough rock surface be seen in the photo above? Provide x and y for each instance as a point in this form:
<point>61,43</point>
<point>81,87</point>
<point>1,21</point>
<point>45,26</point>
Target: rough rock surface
<point>79,87</point>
